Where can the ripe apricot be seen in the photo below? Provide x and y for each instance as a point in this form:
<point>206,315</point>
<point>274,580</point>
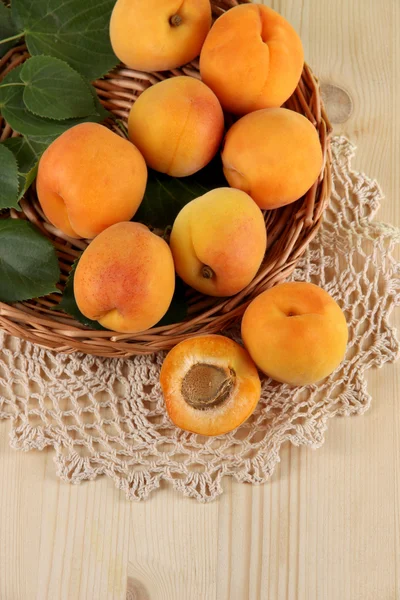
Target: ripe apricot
<point>125,278</point>
<point>295,332</point>
<point>210,385</point>
<point>274,155</point>
<point>90,178</point>
<point>177,125</point>
<point>156,35</point>
<point>218,242</point>
<point>252,59</point>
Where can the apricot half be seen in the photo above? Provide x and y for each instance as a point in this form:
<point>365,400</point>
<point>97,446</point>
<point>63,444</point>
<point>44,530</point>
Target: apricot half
<point>156,35</point>
<point>90,178</point>
<point>295,332</point>
<point>218,242</point>
<point>274,155</point>
<point>125,278</point>
<point>177,125</point>
<point>252,59</point>
<point>210,385</point>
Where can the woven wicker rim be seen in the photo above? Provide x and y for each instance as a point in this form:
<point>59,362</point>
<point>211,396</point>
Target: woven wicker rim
<point>290,229</point>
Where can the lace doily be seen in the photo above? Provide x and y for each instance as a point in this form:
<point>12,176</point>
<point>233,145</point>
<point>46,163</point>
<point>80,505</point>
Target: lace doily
<point>106,416</point>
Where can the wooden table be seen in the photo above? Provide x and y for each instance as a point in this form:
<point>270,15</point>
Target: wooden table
<point>327,526</point>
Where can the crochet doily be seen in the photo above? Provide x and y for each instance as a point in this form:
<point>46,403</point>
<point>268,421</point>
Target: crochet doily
<point>107,417</point>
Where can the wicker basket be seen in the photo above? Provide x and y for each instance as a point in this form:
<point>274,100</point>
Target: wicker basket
<point>289,229</point>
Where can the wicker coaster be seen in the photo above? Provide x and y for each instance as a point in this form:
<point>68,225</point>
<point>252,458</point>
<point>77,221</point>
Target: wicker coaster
<point>106,416</point>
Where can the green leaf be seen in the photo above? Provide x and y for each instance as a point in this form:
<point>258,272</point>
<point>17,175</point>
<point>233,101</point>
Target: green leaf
<point>27,151</point>
<point>8,179</point>
<point>102,112</point>
<point>54,90</point>
<point>28,179</point>
<point>13,109</point>
<point>178,308</point>
<point>165,196</point>
<point>74,30</point>
<point>7,29</point>
<point>68,303</point>
<point>28,262</point>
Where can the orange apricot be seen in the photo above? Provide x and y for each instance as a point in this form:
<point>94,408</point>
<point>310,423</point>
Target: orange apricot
<point>274,155</point>
<point>125,278</point>
<point>177,125</point>
<point>218,242</point>
<point>210,385</point>
<point>252,59</point>
<point>90,178</point>
<point>156,35</point>
<point>295,332</point>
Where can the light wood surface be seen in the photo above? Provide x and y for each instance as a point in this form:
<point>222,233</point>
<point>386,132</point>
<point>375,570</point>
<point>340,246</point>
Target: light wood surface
<point>327,526</point>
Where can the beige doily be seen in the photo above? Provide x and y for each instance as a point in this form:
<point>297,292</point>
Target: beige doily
<point>106,416</point>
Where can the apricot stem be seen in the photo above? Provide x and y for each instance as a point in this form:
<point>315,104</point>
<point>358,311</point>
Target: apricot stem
<point>175,20</point>
<point>207,272</point>
<point>206,386</point>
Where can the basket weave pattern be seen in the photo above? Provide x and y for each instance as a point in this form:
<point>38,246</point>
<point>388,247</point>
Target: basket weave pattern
<point>289,229</point>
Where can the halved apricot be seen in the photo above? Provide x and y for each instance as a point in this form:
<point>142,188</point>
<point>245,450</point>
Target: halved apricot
<point>210,385</point>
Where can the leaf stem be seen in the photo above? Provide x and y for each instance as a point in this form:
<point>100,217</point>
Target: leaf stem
<point>11,85</point>
<point>13,37</point>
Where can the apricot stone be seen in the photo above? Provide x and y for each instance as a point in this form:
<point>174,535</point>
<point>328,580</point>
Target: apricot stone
<point>274,155</point>
<point>125,278</point>
<point>177,125</point>
<point>295,332</point>
<point>218,242</point>
<point>252,59</point>
<point>156,35</point>
<point>90,178</point>
<point>210,385</point>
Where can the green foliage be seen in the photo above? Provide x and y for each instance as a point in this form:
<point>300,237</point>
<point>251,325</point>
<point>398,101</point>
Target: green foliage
<point>28,262</point>
<point>73,30</point>
<point>8,179</point>
<point>7,29</point>
<point>17,115</point>
<point>54,90</point>
<point>27,152</point>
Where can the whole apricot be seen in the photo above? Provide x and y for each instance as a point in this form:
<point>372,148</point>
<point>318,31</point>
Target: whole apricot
<point>274,155</point>
<point>252,59</point>
<point>125,278</point>
<point>210,385</point>
<point>90,178</point>
<point>156,35</point>
<point>218,242</point>
<point>177,125</point>
<point>295,332</point>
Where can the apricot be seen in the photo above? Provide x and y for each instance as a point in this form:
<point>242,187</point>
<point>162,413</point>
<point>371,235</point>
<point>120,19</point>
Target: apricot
<point>156,35</point>
<point>274,155</point>
<point>125,278</point>
<point>210,385</point>
<point>90,178</point>
<point>218,242</point>
<point>177,125</point>
<point>295,332</point>
<point>252,59</point>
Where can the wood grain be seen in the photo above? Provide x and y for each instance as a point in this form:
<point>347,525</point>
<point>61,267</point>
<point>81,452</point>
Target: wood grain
<point>327,525</point>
